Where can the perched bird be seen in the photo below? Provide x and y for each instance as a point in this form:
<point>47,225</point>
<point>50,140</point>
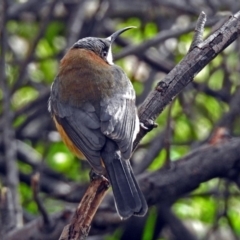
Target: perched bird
<point>92,103</point>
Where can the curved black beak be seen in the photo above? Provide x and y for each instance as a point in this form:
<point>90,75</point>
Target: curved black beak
<point>117,33</point>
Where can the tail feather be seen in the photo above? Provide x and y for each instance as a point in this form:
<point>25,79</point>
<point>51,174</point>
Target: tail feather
<point>129,199</point>
<point>142,199</point>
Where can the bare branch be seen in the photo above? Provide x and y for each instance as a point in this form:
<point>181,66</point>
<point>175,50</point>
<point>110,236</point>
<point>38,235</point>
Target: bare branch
<point>81,222</point>
<point>185,71</point>
<point>205,163</point>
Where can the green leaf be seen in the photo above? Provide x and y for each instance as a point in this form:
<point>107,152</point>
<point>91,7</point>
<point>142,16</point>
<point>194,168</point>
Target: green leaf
<point>23,96</point>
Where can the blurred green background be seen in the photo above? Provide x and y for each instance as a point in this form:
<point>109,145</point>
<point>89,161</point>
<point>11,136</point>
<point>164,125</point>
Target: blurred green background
<point>37,34</point>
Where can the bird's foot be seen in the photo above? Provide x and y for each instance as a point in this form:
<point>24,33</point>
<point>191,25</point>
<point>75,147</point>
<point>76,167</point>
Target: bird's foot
<point>148,125</point>
<point>94,175</point>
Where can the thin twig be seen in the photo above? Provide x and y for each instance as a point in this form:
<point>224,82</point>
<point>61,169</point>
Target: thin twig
<point>167,139</point>
<point>33,46</point>
<point>226,208</point>
<point>35,188</point>
<point>154,148</point>
<point>199,29</point>
<point>161,37</point>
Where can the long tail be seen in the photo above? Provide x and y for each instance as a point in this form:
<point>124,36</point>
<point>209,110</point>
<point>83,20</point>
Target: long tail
<point>129,199</point>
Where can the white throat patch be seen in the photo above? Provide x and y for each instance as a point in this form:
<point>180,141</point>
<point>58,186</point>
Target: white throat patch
<point>109,57</point>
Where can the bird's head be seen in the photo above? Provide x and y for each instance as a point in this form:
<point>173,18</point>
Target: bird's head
<point>100,46</point>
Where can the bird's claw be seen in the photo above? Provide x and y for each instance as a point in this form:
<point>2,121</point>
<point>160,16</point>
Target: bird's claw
<point>148,125</point>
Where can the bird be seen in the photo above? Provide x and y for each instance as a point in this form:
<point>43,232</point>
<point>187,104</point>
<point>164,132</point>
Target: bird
<point>92,103</point>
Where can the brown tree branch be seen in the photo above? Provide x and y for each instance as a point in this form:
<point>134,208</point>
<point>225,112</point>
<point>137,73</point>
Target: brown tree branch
<point>80,224</point>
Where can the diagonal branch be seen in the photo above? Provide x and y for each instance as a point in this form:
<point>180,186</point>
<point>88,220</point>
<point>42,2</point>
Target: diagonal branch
<point>185,71</point>
<point>80,224</point>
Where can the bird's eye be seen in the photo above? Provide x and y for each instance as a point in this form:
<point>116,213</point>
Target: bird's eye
<point>104,53</point>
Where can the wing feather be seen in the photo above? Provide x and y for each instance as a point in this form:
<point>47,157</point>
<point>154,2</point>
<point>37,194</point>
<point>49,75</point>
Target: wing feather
<point>119,120</point>
<point>83,128</point>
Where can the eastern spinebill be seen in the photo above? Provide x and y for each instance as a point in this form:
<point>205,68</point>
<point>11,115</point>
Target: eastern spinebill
<point>92,103</point>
